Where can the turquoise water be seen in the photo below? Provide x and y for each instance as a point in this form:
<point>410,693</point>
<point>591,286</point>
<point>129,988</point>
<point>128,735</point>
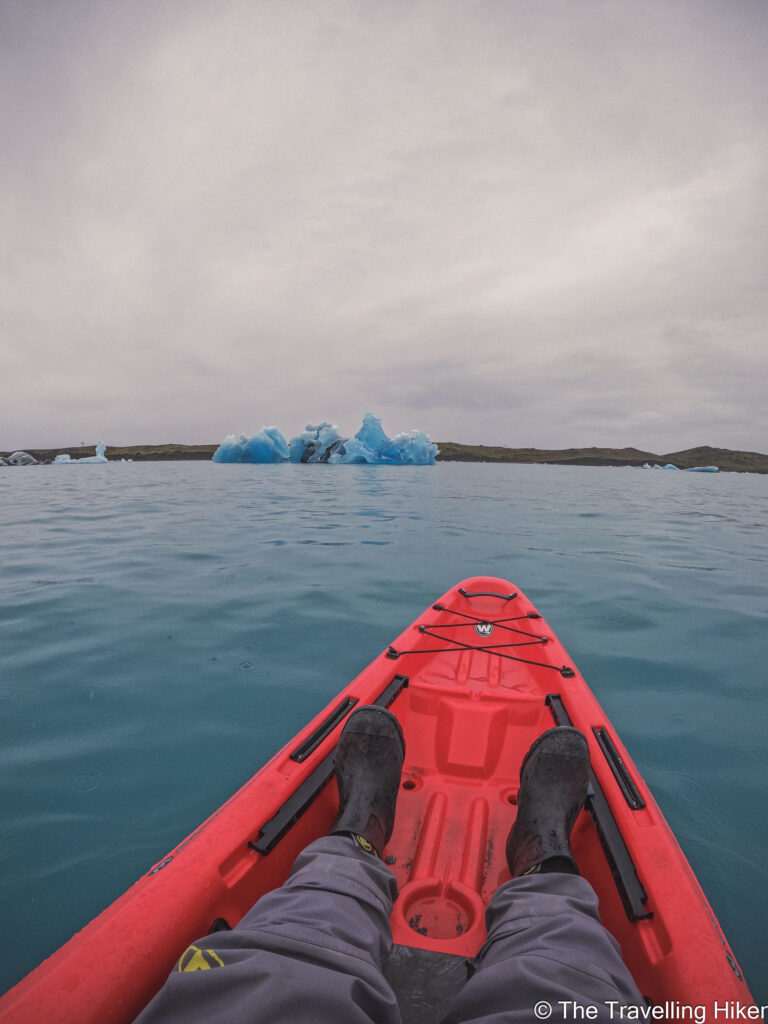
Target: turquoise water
<point>164,628</point>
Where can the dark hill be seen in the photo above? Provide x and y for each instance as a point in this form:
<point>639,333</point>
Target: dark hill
<point>734,462</point>
<point>723,458</point>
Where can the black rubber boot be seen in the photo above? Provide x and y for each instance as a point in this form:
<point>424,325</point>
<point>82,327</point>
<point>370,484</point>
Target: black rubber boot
<point>369,762</point>
<point>554,779</point>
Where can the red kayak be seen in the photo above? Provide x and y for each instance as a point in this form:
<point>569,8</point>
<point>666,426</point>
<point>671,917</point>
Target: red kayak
<point>472,681</point>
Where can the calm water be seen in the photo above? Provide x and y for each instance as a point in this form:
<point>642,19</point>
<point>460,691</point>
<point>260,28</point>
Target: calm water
<point>164,628</point>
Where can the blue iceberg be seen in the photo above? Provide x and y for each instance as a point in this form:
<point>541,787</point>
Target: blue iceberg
<point>316,443</point>
<point>324,443</point>
<point>268,445</point>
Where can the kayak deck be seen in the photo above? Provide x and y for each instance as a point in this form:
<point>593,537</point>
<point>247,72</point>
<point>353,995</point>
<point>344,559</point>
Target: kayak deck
<point>487,675</point>
<point>472,708</point>
<point>473,681</point>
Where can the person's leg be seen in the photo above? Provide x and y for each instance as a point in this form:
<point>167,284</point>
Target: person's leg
<point>311,950</point>
<point>546,945</point>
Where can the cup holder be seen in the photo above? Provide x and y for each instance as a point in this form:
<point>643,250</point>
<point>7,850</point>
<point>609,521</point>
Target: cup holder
<point>438,911</point>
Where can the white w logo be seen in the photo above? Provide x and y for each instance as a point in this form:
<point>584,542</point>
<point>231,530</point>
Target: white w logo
<point>484,628</point>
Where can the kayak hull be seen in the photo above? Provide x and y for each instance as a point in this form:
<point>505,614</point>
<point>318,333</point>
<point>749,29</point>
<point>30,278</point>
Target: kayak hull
<point>473,681</point>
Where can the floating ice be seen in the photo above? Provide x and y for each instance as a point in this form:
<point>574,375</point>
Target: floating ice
<point>268,445</point>
<point>324,443</point>
<point>19,459</point>
<point>690,469</point>
<point>316,444</point>
<point>371,444</point>
<point>67,460</point>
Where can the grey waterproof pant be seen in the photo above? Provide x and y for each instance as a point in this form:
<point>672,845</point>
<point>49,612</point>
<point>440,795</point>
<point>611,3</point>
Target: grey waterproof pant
<point>312,951</point>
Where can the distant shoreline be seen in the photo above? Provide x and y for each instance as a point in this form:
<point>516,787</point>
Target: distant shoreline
<point>451,451</point>
<point>726,460</point>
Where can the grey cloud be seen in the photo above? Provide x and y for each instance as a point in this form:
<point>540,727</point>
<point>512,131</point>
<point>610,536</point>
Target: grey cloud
<point>449,213</point>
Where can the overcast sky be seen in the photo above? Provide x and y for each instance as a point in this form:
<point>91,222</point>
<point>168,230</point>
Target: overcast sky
<point>522,222</point>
